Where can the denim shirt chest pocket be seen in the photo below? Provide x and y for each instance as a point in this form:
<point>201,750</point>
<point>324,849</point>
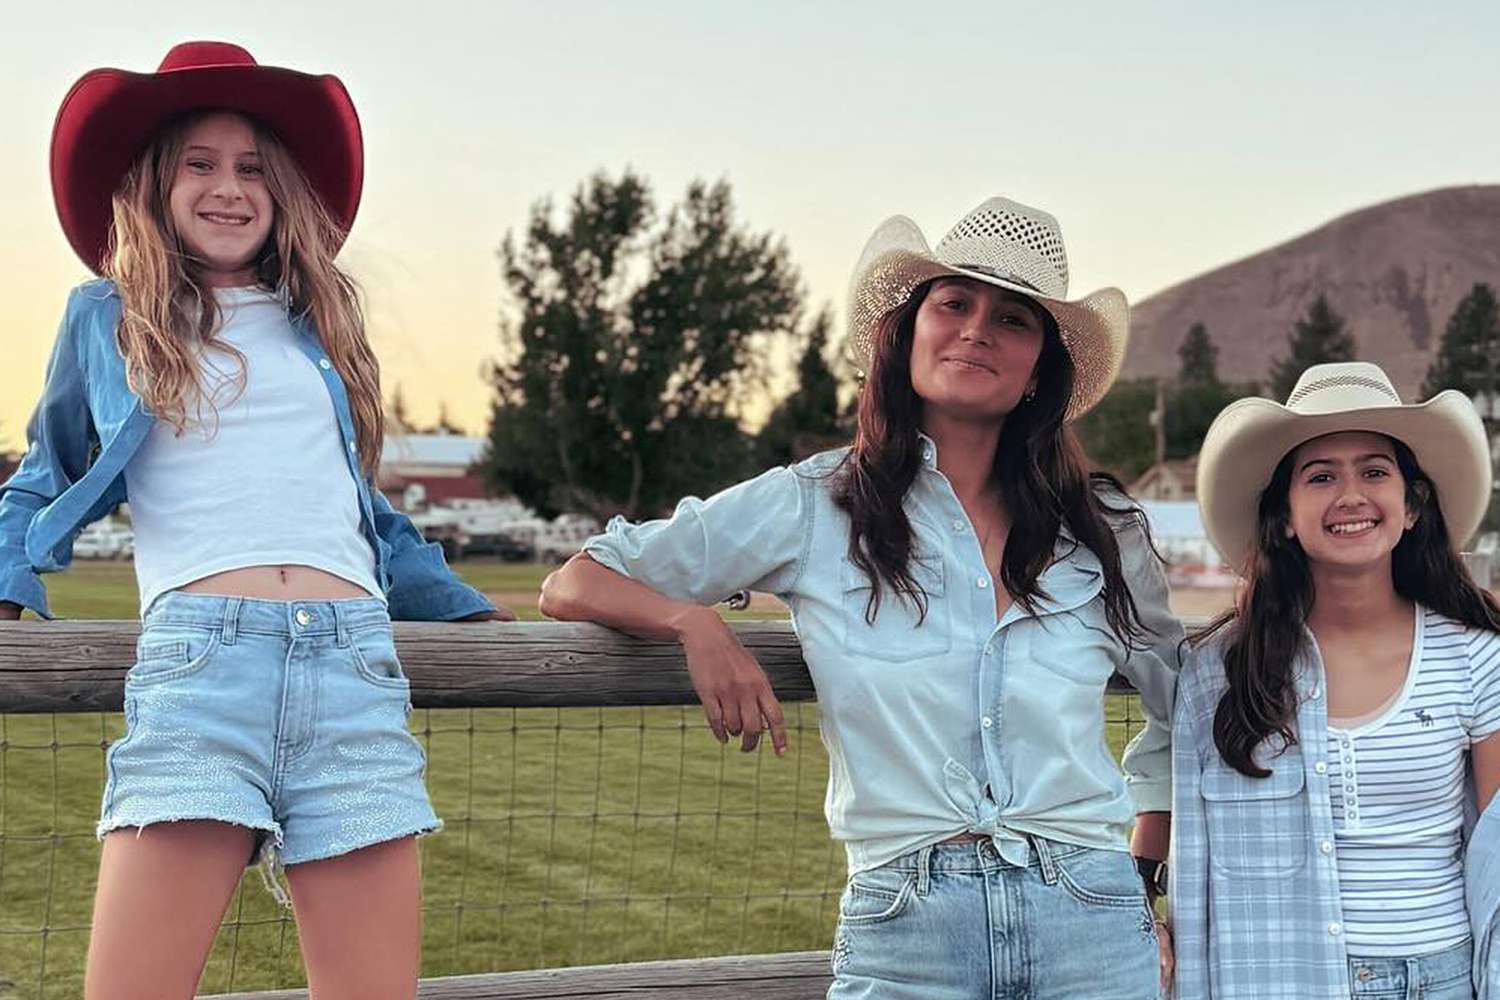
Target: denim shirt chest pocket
<point>1257,827</point>
<point>900,631</point>
<point>1070,637</point>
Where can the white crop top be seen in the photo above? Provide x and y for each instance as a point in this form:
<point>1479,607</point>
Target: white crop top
<point>259,477</point>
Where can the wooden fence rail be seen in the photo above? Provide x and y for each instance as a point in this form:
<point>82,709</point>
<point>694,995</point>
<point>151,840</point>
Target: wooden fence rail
<point>79,666</point>
<point>802,975</point>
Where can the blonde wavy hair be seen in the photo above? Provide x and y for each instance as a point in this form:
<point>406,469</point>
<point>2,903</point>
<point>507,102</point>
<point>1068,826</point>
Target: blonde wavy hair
<point>170,313</point>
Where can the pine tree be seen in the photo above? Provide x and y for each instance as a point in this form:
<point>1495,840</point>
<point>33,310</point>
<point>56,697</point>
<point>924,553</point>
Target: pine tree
<point>1198,395</point>
<point>1199,358</point>
<point>1468,357</point>
<point>1318,338</point>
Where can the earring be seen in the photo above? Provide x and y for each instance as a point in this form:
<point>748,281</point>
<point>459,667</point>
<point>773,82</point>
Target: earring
<point>1030,395</point>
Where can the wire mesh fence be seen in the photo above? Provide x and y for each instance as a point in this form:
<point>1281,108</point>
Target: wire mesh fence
<point>572,836</point>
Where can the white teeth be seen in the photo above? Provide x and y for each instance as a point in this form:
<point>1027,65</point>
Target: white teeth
<point>1351,527</point>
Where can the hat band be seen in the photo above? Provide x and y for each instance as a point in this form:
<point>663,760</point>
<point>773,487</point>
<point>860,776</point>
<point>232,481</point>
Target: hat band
<point>1002,275</point>
<point>1342,381</point>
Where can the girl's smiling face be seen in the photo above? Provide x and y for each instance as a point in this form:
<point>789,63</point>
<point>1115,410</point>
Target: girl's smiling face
<point>1347,500</point>
<point>220,204</point>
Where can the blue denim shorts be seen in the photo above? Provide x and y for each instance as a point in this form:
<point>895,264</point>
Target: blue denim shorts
<point>286,717</point>
<point>956,921</point>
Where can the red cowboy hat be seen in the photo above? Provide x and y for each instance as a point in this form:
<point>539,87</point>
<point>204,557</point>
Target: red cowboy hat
<point>110,115</point>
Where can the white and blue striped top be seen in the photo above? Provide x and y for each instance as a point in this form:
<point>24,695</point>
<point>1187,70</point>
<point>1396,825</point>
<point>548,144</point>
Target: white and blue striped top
<point>1397,788</point>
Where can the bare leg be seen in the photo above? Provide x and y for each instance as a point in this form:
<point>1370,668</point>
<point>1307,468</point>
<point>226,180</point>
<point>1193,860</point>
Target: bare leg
<point>160,899</point>
<point>359,918</point>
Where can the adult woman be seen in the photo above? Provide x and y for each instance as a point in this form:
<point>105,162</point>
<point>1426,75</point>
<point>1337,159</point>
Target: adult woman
<point>958,583</point>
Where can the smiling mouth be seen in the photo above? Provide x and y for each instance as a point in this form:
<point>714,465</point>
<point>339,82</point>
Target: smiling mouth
<point>222,219</point>
<point>1352,527</point>
<point>966,365</point>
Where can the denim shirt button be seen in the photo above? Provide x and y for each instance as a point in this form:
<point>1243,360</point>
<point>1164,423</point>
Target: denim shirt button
<point>981,583</point>
<point>324,364</point>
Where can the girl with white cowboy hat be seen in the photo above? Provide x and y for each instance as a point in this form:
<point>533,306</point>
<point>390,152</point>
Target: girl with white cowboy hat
<point>1335,728</point>
<point>963,589</point>
<point>219,378</point>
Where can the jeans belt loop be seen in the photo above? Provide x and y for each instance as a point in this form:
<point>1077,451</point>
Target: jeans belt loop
<point>341,625</point>
<point>231,622</point>
<point>924,870</point>
<point>1044,858</point>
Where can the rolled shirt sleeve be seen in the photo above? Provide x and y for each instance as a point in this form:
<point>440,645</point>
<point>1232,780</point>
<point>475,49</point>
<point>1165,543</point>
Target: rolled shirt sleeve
<point>752,536</point>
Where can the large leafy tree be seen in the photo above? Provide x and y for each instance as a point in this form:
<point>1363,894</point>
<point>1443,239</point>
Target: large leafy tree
<point>632,346</point>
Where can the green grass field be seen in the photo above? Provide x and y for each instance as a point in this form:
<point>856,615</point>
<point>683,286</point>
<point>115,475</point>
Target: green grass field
<point>579,836</point>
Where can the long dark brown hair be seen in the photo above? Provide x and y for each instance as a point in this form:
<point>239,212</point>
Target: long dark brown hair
<point>1261,649</point>
<point>1040,470</point>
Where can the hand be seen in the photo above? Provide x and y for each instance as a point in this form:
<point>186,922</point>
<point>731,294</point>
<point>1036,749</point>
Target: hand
<point>1165,955</point>
<point>9,611</point>
<point>736,694</point>
<point>500,614</point>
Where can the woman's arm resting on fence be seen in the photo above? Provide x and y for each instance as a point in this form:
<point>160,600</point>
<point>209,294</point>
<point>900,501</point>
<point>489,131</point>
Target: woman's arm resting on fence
<point>737,698</point>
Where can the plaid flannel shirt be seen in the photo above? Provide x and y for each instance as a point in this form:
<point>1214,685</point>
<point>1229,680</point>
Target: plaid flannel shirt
<point>1255,888</point>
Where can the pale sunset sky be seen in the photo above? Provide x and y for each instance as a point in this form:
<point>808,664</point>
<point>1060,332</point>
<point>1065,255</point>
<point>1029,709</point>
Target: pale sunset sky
<point>1167,137</point>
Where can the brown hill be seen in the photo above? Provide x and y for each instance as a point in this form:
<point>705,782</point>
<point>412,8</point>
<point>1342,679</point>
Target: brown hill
<point>1394,271</point>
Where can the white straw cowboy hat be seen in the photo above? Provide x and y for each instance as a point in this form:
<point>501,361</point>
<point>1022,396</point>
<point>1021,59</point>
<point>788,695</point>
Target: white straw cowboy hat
<point>1251,436</point>
<point>1002,243</point>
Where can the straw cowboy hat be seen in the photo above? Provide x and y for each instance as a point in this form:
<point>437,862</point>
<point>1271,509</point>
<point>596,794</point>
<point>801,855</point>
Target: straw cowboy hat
<point>1001,243</point>
<point>1251,436</point>
<point>111,114</point>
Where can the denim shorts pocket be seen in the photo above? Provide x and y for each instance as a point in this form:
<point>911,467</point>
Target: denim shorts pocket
<point>375,657</point>
<point>168,652</point>
<point>877,895</point>
<point>1101,878</point>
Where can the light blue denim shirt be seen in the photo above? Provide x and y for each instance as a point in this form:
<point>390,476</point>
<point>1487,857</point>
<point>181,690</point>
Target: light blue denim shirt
<point>89,424</point>
<point>964,722</point>
<point>1254,886</point>
<point>1482,888</point>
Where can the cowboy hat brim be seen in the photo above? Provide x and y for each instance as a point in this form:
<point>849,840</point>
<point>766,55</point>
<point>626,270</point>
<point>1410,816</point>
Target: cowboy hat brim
<point>110,114</point>
<point>897,260</point>
<point>1250,437</point>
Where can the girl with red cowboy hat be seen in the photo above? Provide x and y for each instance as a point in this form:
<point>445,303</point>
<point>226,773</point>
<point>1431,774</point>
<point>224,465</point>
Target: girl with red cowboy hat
<point>217,376</point>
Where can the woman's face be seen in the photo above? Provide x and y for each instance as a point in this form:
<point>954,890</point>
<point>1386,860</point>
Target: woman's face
<point>219,200</point>
<point>974,349</point>
<point>1347,500</point>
